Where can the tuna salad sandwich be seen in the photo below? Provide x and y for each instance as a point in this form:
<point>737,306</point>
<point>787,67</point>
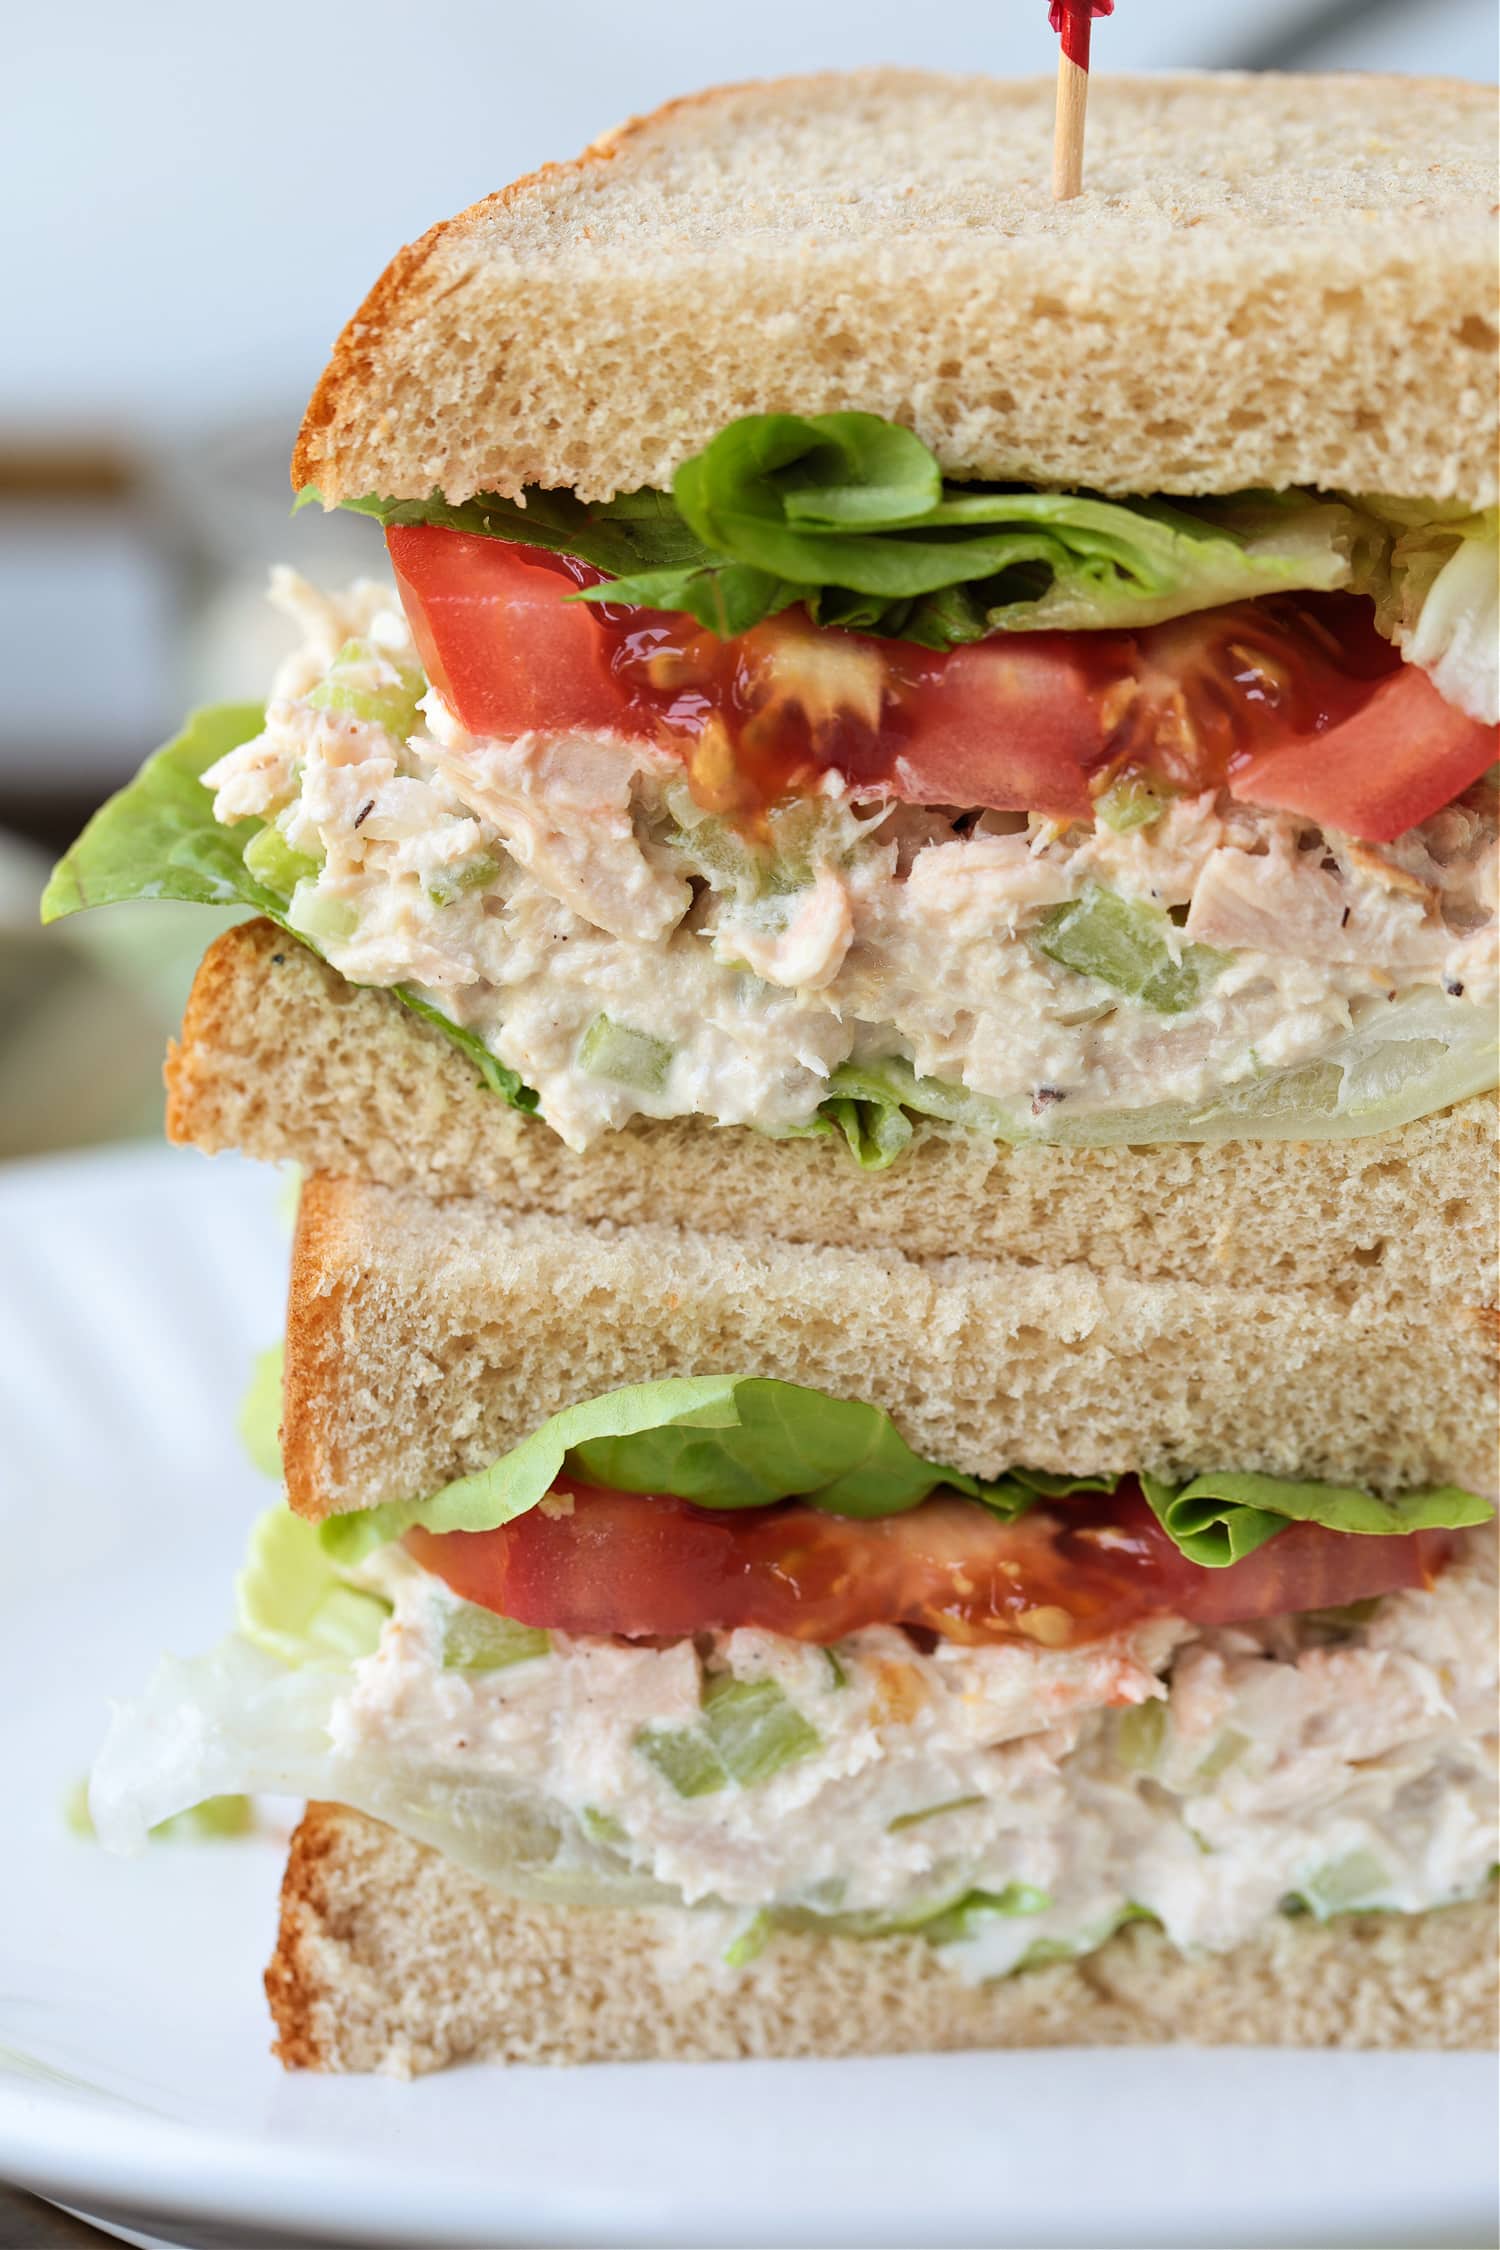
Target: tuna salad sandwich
<point>879,948</point>
<point>678,1662</point>
<point>881,664</point>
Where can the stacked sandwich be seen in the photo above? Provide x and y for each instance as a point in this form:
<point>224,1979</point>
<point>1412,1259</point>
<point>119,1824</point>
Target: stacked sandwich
<point>881,960</point>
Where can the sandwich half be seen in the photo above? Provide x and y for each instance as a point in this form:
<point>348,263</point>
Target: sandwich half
<point>779,1659</point>
<point>882,948</point>
<point>885,677</point>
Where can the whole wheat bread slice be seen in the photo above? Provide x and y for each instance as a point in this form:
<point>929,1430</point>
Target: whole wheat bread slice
<point>425,1339</point>
<point>1267,281</point>
<point>390,1958</point>
<point>282,1058</point>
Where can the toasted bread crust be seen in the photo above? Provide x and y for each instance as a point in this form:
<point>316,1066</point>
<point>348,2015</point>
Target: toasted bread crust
<point>397,296</point>
<point>389,1958</point>
<point>885,240</point>
<point>282,1058</point>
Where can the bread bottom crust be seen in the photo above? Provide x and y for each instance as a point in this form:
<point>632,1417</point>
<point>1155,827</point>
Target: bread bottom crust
<point>391,1959</point>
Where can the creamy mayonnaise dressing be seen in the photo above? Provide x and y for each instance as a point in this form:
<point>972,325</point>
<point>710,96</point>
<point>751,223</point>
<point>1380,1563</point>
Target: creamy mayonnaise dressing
<point>529,887</point>
<point>1205,1777</point>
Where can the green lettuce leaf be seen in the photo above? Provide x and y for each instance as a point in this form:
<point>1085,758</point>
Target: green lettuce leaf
<point>157,839</point>
<point>1222,1517</point>
<point>260,1412</point>
<point>726,1441</point>
<point>738,1441</point>
<point>635,531</point>
<point>850,515</point>
<point>1436,587</point>
<point>293,1603</point>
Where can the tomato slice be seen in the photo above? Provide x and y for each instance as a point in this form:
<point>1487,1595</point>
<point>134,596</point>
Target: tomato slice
<point>645,1566</point>
<point>497,638</point>
<point>1295,702</point>
<point>1402,756</point>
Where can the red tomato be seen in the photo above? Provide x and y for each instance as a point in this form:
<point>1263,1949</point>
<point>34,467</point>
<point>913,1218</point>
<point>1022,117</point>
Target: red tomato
<point>502,647</point>
<point>1401,757</point>
<point>1294,702</point>
<point>644,1566</point>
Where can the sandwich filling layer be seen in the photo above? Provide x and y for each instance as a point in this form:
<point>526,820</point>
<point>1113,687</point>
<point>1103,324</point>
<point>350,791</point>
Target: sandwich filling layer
<point>1200,966</point>
<point>822,792</point>
<point>1013,1803</point>
<point>729,1644</point>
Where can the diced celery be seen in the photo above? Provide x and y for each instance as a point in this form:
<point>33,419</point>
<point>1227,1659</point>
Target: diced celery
<point>717,849</point>
<point>1127,943</point>
<point>1138,1734</point>
<point>1345,1883</point>
<point>837,1676</point>
<point>630,1058</point>
<point>1230,1745</point>
<point>751,1941</point>
<point>684,1758</point>
<point>321,917</point>
<point>754,1729</point>
<point>957,1921</point>
<point>271,860</point>
<point>774,864</point>
<point>930,1812</point>
<point>602,1828</point>
<point>1130,803</point>
<point>476,1640</point>
<point>363,684</point>
<point>473,875</point>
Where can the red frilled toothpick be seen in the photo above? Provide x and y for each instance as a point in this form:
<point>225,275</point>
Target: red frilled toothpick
<point>1073,21</point>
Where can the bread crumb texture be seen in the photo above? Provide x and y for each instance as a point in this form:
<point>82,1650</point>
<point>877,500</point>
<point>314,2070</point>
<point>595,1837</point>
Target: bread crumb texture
<point>1268,280</point>
<point>391,1959</point>
<point>426,1339</point>
<point>281,1057</point>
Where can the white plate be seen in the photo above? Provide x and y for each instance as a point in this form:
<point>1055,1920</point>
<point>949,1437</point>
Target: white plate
<point>134,2071</point>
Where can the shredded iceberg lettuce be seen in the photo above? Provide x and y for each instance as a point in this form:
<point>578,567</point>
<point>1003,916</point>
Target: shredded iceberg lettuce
<point>1437,595</point>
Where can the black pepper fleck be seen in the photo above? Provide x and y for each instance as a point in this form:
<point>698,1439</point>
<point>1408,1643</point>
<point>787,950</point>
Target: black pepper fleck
<point>1453,986</point>
<point>1044,1097</point>
<point>1344,918</point>
<point>364,812</point>
<point>278,960</point>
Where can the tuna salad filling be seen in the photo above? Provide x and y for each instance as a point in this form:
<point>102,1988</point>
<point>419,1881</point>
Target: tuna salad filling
<point>1185,965</point>
<point>825,792</point>
<point>1014,1804</point>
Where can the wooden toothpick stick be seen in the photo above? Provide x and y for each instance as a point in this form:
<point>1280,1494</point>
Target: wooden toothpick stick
<point>1073,21</point>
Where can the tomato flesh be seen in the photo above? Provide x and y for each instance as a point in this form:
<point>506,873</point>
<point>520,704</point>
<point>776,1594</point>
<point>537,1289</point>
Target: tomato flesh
<point>1291,702</point>
<point>1402,757</point>
<point>645,1566</point>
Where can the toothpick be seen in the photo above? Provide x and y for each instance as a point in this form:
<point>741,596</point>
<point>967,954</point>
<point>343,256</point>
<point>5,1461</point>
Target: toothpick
<point>1073,19</point>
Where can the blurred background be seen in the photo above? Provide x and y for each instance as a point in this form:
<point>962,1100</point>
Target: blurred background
<point>194,199</point>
